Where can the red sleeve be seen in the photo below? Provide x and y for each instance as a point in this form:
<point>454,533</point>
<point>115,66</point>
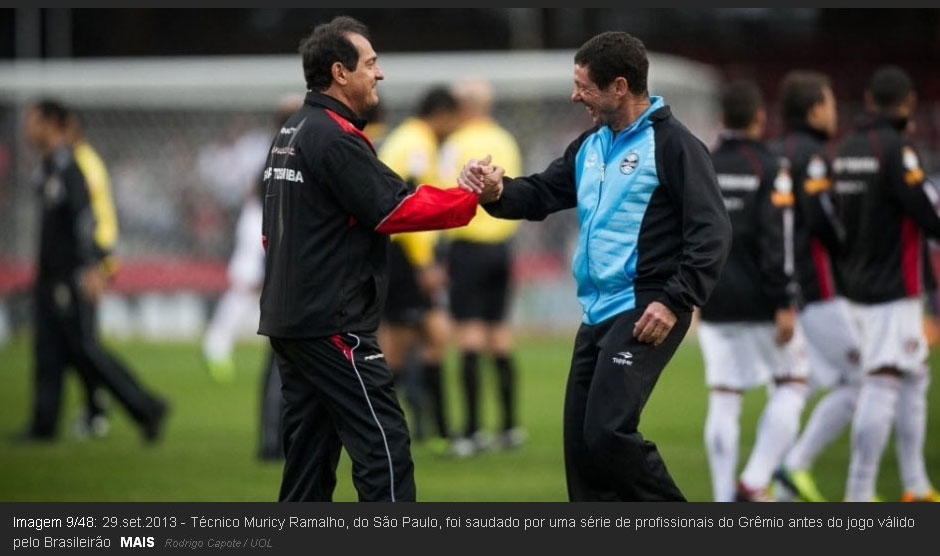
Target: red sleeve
<point>430,208</point>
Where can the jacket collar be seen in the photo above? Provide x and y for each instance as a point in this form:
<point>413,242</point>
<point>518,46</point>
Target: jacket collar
<point>647,117</point>
<point>873,120</point>
<point>729,136</point>
<point>315,98</point>
<point>804,129</point>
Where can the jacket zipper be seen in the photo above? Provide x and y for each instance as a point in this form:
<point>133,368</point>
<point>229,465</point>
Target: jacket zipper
<point>587,242</point>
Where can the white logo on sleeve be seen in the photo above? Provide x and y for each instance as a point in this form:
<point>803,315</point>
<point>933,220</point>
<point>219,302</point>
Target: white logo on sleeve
<point>374,356</point>
<point>623,358</point>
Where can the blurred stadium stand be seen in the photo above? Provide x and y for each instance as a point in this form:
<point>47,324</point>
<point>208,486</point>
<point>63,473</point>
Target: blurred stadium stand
<point>163,119</point>
<point>185,138</point>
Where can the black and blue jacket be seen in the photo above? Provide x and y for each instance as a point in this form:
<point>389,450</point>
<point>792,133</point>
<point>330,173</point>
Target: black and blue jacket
<point>652,225</point>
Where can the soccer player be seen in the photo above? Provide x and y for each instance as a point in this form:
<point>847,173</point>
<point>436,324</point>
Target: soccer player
<point>653,237</point>
<point>479,268</point>
<point>886,207</point>
<point>808,111</point>
<point>747,333</point>
<point>414,316</point>
<point>70,279</point>
<point>329,206</point>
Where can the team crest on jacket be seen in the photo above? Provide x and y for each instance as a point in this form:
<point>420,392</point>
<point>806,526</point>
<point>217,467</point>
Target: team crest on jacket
<point>816,169</point>
<point>782,195</point>
<point>630,162</point>
<point>913,174</point>
<point>910,159</point>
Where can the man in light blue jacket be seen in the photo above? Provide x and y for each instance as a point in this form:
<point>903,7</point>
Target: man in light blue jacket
<point>653,237</point>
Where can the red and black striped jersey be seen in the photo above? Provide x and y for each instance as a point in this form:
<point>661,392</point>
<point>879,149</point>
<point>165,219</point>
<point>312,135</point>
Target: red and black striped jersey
<point>886,206</point>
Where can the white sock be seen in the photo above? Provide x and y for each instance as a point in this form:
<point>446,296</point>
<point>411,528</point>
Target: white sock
<point>226,322</point>
<point>829,418</point>
<point>722,429</point>
<point>778,427</point>
<point>910,426</point>
<point>871,426</point>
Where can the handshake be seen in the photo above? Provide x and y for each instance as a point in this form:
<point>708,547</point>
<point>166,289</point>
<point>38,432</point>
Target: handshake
<point>483,178</point>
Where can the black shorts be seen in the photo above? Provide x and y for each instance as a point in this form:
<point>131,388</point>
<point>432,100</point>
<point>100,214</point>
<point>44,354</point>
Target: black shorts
<point>407,302</point>
<point>479,280</point>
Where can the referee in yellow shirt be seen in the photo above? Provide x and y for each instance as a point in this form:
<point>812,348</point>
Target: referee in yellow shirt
<point>414,316</point>
<point>479,268</point>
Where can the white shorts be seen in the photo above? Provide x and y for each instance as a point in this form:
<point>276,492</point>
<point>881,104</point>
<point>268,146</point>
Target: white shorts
<point>744,355</point>
<point>246,267</point>
<point>892,335</point>
<point>832,342</point>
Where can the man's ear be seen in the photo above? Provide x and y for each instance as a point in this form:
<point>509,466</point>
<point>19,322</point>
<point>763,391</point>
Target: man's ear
<point>339,73</point>
<point>621,87</point>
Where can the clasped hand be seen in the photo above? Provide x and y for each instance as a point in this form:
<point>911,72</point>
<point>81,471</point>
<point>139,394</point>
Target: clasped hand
<point>482,177</point>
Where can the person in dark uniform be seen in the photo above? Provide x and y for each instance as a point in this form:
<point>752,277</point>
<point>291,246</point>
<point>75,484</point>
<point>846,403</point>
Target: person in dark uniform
<point>808,111</point>
<point>328,209</point>
<point>887,207</point>
<point>479,262</point>
<point>747,333</point>
<point>69,281</point>
<point>415,317</point>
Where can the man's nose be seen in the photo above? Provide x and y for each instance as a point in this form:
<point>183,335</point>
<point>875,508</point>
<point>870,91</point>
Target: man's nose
<point>378,73</point>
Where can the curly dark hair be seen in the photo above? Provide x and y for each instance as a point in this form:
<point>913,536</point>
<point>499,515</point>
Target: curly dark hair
<point>800,91</point>
<point>327,44</point>
<point>615,54</point>
<point>740,103</point>
<point>890,87</point>
<point>52,110</point>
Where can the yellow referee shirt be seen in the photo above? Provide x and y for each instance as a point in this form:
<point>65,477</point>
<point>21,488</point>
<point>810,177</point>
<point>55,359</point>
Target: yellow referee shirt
<point>476,139</point>
<point>411,151</point>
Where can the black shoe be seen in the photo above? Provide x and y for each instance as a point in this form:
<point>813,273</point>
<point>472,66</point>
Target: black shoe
<point>154,424</point>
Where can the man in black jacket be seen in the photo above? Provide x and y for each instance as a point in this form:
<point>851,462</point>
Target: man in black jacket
<point>69,281</point>
<point>329,205</point>
<point>887,206</point>
<point>747,332</point>
<point>653,237</point>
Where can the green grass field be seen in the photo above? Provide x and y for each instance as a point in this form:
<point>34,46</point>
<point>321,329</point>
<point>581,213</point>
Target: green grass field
<point>208,451</point>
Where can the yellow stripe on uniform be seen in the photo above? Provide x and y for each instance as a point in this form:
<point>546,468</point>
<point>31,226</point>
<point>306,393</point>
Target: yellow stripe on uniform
<point>99,192</point>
